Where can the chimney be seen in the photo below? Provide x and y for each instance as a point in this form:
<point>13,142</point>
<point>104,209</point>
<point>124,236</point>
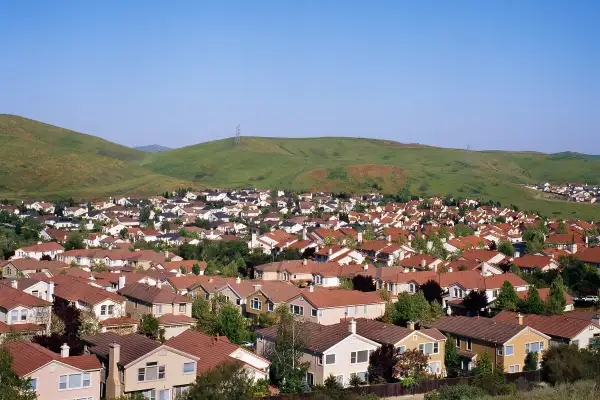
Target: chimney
<point>304,237</point>
<point>352,326</point>
<point>304,261</point>
<point>596,319</point>
<point>113,379</point>
<point>257,286</point>
<point>520,318</point>
<point>166,254</point>
<point>64,350</point>
<point>159,284</point>
<point>423,263</point>
<point>238,280</point>
<point>365,267</point>
<point>121,281</point>
<point>311,288</point>
<point>50,292</point>
<point>449,269</point>
<point>330,251</point>
<point>359,238</point>
<point>411,325</point>
<point>389,238</point>
<point>14,284</point>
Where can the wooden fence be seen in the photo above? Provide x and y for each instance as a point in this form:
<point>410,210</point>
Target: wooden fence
<point>396,389</point>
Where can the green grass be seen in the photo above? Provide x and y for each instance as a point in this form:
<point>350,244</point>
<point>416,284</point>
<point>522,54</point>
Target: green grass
<point>37,159</point>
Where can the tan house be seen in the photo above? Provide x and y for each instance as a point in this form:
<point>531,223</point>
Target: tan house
<point>23,267</point>
<point>136,364</point>
<point>331,350</point>
<point>506,344</point>
<point>22,312</point>
<point>173,311</point>
<point>56,376</point>
<point>330,306</point>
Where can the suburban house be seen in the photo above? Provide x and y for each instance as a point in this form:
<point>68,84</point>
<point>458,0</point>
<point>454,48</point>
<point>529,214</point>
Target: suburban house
<point>266,296</point>
<point>544,292</point>
<point>56,376</point>
<point>23,267</point>
<point>212,351</point>
<point>429,341</point>
<point>507,344</point>
<point>590,256</point>
<point>560,328</point>
<point>136,364</point>
<point>22,312</point>
<point>336,350</point>
<point>34,287</point>
<point>530,262</point>
<point>37,251</point>
<point>174,312</point>
<point>330,306</point>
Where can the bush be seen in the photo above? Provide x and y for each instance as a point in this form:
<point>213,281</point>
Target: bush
<point>456,392</point>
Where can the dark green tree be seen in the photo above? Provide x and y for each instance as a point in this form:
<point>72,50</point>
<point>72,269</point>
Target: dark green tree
<point>531,362</point>
<point>533,304</point>
<point>74,242</point>
<point>382,364</point>
<point>12,387</point>
<point>556,301</point>
<point>507,297</point>
<point>452,358</point>
<point>228,381</point>
<point>149,327</point>
<point>505,247</point>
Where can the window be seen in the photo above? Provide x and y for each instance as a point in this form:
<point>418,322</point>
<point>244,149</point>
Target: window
<point>189,367</point>
<point>458,342</point>
<point>329,359</point>
<point>320,360</point>
<point>23,315</point>
<point>238,301</point>
<point>103,310</point>
<point>434,368</point>
<point>411,287</point>
<point>509,350</point>
<point>111,309</point>
<point>576,342</point>
<point>256,304</point>
<point>429,348</point>
<point>495,293</point>
<point>534,347</point>
<point>158,308</point>
<point>359,356</point>
<point>364,376</point>
<point>33,384</point>
<point>400,349</point>
<point>310,378</point>
<point>151,372</point>
<point>206,296</point>
<point>14,315</point>
<point>500,351</point>
<point>35,293</point>
<point>340,379</point>
<point>149,394</point>
<point>74,381</point>
<point>469,344</point>
<point>355,310</point>
<point>514,368</point>
<point>297,310</point>
<point>313,312</point>
<point>182,307</point>
<point>364,309</point>
<point>179,391</point>
<point>270,306</point>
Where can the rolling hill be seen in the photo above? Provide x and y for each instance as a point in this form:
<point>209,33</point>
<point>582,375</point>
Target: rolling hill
<point>40,159</point>
<point>152,148</point>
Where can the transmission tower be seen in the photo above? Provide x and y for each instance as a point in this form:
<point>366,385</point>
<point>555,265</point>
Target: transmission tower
<point>468,155</point>
<point>236,139</point>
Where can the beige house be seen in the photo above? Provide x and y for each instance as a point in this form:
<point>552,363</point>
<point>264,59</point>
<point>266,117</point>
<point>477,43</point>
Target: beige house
<point>331,350</point>
<point>329,306</point>
<point>506,344</point>
<point>135,364</point>
<point>22,312</point>
<point>56,376</point>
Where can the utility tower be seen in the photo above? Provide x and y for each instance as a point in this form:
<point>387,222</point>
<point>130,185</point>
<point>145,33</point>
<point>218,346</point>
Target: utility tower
<point>236,139</point>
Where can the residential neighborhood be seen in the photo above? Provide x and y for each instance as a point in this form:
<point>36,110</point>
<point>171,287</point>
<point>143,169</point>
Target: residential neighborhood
<point>129,296</point>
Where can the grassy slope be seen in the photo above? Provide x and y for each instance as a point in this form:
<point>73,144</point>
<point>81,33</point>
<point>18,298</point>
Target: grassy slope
<point>338,164</point>
<point>38,159</point>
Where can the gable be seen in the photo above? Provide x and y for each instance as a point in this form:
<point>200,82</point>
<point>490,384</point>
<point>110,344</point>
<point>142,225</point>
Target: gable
<point>352,343</point>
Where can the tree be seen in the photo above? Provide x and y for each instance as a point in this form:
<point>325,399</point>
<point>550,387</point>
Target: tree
<point>74,242</point>
<point>556,301</point>
<point>475,301</point>
<point>382,364</point>
<point>484,366</point>
<point>561,227</point>
<point>56,324</point>
<point>533,304</point>
<point>149,327</point>
<point>505,247</point>
<point>507,297</point>
<point>124,234</point>
<point>231,323</point>
<point>452,358</point>
<point>89,324</point>
<point>462,230</point>
<point>211,268</point>
<point>411,363</point>
<point>227,381</point>
<point>355,381</point>
<point>363,283</point>
<point>285,354</point>
<point>145,214</point>
<point>11,385</point>
<point>531,362</point>
<point>432,291</point>
<point>563,363</point>
<point>196,269</point>
<point>410,307</point>
<point>346,284</point>
<point>419,244</point>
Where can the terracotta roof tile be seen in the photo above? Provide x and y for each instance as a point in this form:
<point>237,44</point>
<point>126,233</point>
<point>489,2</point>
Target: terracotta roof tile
<point>133,346</point>
<point>152,294</point>
<point>485,329</point>
<point>551,325</point>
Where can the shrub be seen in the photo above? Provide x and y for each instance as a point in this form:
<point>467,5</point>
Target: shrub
<point>456,392</point>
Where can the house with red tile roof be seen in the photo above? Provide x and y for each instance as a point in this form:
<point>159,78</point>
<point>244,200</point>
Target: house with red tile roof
<point>530,262</point>
<point>562,329</point>
<point>22,312</point>
<point>544,292</point>
<point>589,256</point>
<point>272,241</point>
<point>24,267</point>
<point>37,251</point>
<point>56,376</point>
<point>213,351</point>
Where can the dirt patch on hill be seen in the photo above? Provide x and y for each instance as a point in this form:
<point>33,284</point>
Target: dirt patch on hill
<point>374,171</point>
<point>354,178</point>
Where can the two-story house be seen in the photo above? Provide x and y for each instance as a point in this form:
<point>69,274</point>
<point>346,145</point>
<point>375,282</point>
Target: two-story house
<point>174,312</point>
<point>136,364</point>
<point>23,267</point>
<point>56,376</point>
<point>330,306</point>
<point>37,251</point>
<point>336,350</point>
<point>22,312</point>
<point>507,344</point>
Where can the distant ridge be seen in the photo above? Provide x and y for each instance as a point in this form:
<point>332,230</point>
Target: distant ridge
<point>153,148</point>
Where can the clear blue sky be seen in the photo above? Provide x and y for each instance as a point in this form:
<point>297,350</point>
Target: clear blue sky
<point>510,74</point>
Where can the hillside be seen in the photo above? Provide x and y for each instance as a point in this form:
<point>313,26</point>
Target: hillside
<point>38,159</point>
<point>152,148</point>
<point>41,159</point>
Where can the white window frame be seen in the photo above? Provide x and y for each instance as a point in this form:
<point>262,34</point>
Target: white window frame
<point>354,357</point>
<point>256,304</point>
<point>400,349</point>
<point>68,380</point>
<point>435,347</point>
<point>270,306</point>
<point>512,350</point>
<point>193,364</point>
<point>103,310</point>
<point>330,355</point>
<point>182,307</point>
<point>469,345</point>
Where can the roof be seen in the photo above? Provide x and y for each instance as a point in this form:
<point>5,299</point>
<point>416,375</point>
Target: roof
<point>532,261</point>
<point>590,255</point>
<point>133,346</point>
<point>152,294</point>
<point>41,247</point>
<point>318,338</point>
<point>11,298</point>
<point>31,264</point>
<point>552,325</point>
<point>388,333</point>
<point>28,357</point>
<point>327,298</point>
<point>486,329</point>
<point>75,289</point>
<point>210,350</point>
<point>175,319</point>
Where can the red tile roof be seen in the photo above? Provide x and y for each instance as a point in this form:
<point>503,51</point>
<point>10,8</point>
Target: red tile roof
<point>11,298</point>
<point>152,294</point>
<point>551,325</point>
<point>485,329</point>
<point>210,350</point>
<point>327,298</point>
<point>173,319</point>
<point>49,246</point>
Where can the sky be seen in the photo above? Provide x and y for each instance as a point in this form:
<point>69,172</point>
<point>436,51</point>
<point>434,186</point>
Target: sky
<point>505,74</point>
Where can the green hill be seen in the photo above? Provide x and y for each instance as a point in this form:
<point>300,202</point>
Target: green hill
<point>38,159</point>
<point>41,159</point>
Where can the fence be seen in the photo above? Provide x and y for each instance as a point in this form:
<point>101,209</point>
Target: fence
<point>396,389</point>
